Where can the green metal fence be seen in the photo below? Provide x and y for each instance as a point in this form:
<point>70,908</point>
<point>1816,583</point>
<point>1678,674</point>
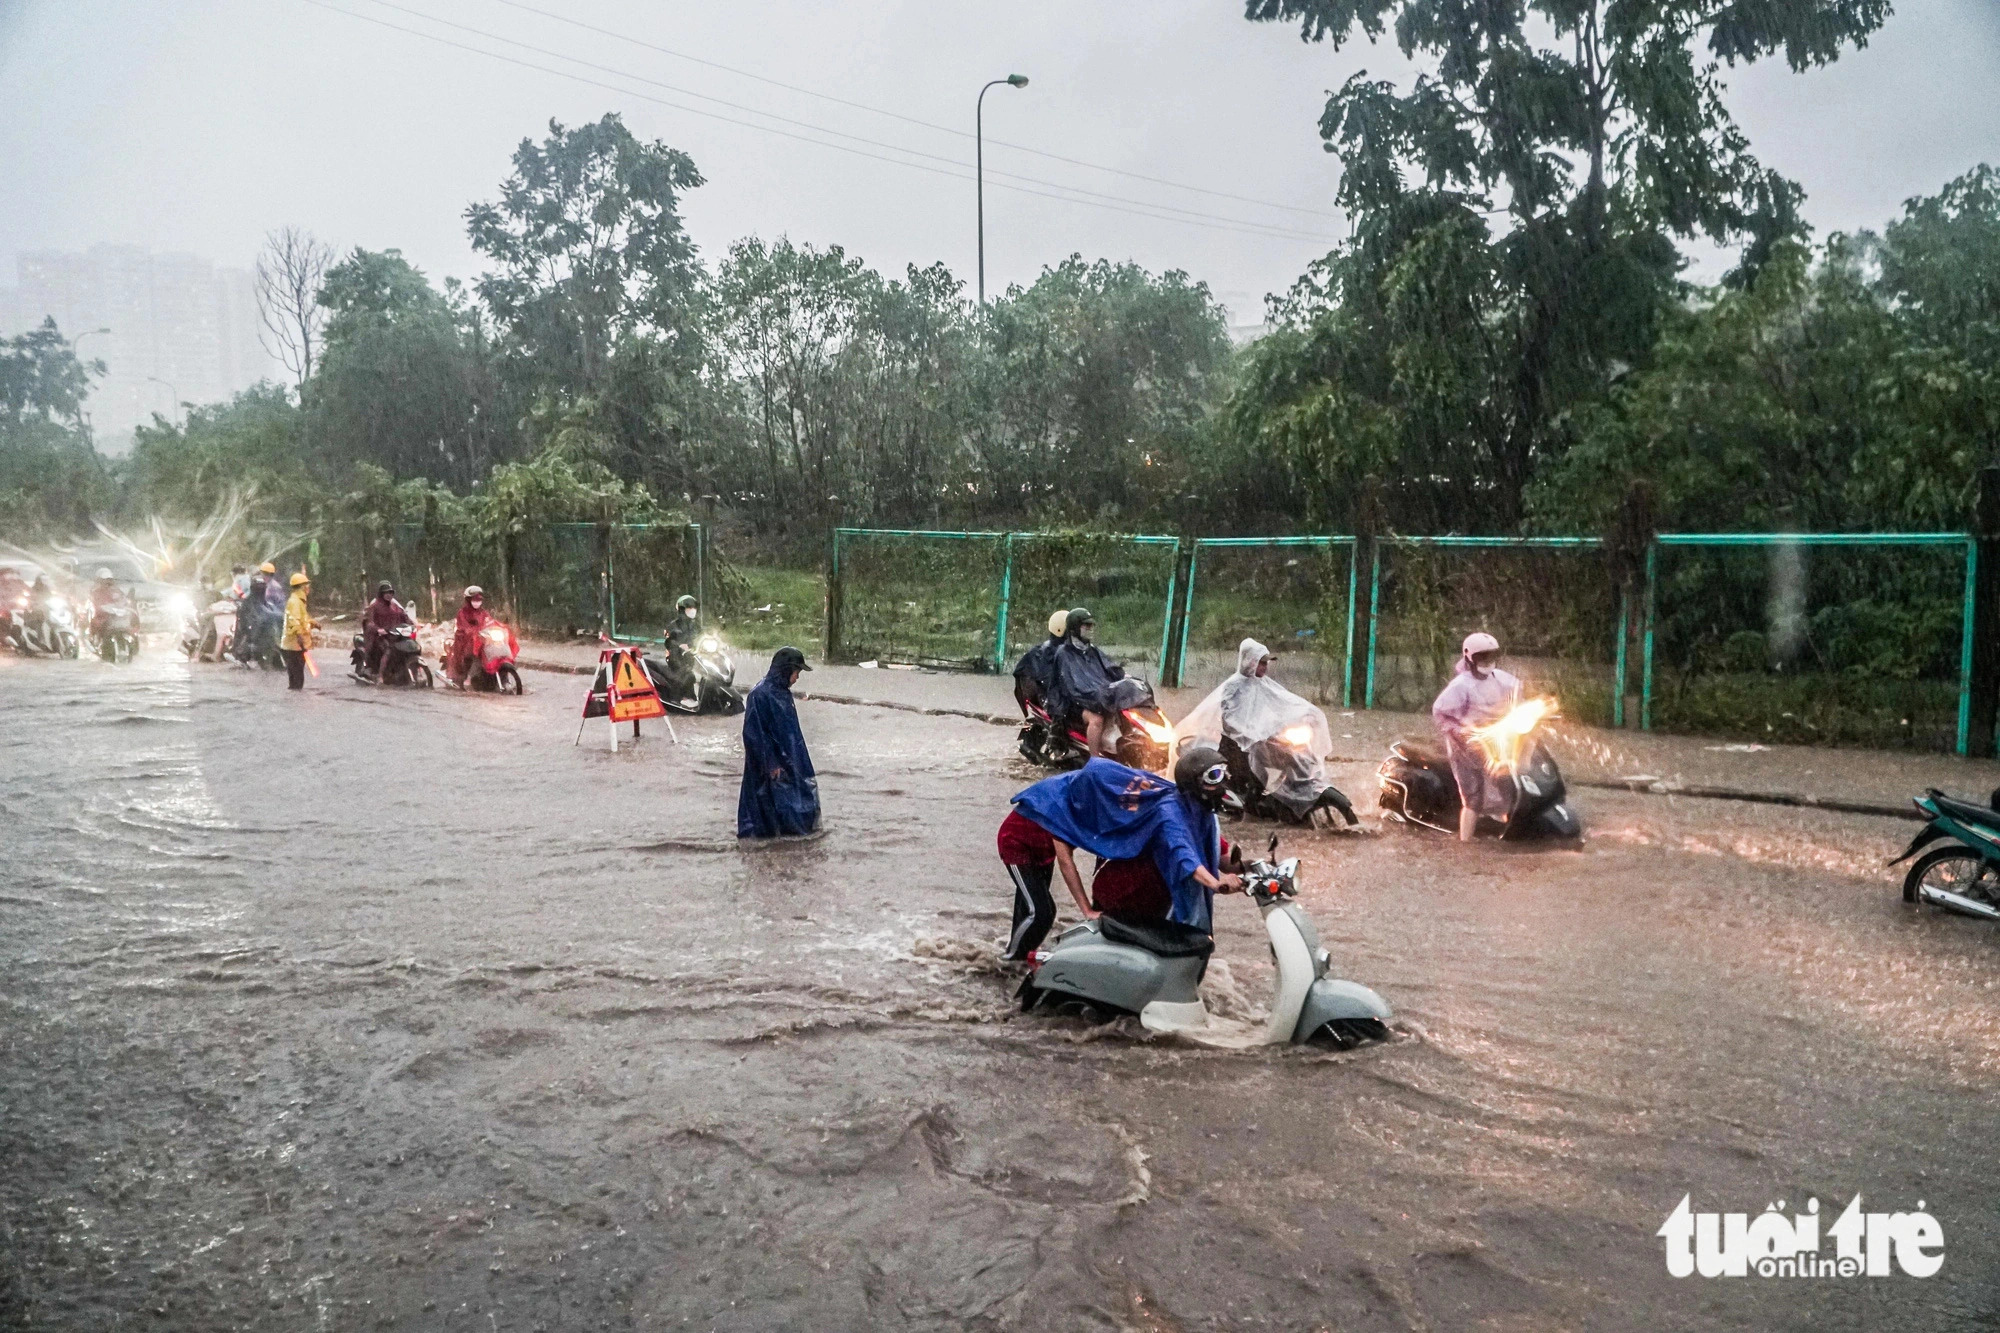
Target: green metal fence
<point>973,600</point>
<point>1861,638</point>
<point>1296,595</point>
<point>1551,600</point>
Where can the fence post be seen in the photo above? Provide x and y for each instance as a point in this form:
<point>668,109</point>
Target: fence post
<point>1374,608</point>
<point>1167,611</point>
<point>1967,640</point>
<point>1006,595</point>
<point>1353,586</point>
<point>1646,670</point>
<point>1187,617</point>
<point>1984,619</point>
<point>1618,672</point>
<point>701,568</point>
<point>608,607</point>
<point>833,596</point>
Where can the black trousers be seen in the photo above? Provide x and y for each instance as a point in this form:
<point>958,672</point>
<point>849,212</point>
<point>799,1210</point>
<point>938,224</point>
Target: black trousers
<point>295,667</point>
<point>1034,909</point>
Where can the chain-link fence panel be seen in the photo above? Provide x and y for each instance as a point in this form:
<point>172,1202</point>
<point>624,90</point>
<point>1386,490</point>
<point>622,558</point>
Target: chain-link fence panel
<point>558,579</point>
<point>1127,583</point>
<point>1552,603</point>
<point>652,567</point>
<point>923,597</point>
<point>1856,640</point>
<point>1294,595</point>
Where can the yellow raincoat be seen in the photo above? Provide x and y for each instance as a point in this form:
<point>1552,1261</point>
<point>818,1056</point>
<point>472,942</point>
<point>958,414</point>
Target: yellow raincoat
<point>298,624</point>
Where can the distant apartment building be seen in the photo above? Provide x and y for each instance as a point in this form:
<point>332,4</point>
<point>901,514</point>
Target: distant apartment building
<point>181,329</point>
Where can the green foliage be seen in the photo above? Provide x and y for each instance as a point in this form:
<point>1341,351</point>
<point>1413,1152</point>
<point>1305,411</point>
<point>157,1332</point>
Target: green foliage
<point>51,478</point>
<point>410,379</point>
<point>248,447</point>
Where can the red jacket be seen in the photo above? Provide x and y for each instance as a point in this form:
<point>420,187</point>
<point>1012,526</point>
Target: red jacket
<point>382,615</point>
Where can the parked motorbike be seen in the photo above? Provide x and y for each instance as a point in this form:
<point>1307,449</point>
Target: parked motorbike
<point>1142,737</point>
<point>402,660</point>
<point>113,633</point>
<point>1417,786</point>
<point>492,668</point>
<point>1250,789</point>
<point>208,634</point>
<point>1154,968</point>
<point>702,681</point>
<point>1963,876</point>
<point>47,632</point>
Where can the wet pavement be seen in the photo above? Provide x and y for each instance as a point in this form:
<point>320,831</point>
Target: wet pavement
<point>359,1009</point>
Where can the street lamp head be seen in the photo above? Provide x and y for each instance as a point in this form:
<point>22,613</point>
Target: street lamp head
<point>1017,80</point>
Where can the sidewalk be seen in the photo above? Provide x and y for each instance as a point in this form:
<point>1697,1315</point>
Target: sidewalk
<point>1872,781</point>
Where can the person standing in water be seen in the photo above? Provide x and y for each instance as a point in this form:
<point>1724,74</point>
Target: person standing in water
<point>780,794</point>
<point>298,640</point>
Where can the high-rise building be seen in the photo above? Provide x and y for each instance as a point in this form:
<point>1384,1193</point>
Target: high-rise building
<point>180,329</point>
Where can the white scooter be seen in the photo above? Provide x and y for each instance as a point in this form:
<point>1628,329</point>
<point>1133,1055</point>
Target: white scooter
<point>1154,968</point>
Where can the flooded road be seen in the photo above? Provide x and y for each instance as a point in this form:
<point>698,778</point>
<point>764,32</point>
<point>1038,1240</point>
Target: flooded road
<point>357,1009</point>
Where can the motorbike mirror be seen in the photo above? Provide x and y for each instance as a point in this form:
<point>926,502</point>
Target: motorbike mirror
<point>1271,854</point>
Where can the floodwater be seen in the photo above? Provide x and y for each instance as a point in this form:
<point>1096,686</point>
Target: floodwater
<point>358,1009</point>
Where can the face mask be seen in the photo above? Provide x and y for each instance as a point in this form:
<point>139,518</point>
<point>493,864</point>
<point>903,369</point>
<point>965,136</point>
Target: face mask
<point>1086,632</point>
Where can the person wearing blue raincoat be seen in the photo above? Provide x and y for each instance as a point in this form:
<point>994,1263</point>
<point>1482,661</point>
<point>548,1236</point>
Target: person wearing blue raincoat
<point>1118,813</point>
<point>780,795</point>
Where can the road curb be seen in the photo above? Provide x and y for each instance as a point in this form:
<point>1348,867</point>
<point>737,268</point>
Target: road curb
<point>1642,787</point>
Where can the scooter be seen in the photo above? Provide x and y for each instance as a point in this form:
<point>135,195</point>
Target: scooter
<point>706,685</point>
<point>1144,738</point>
<point>207,635</point>
<point>1962,876</point>
<point>402,660</point>
<point>49,633</point>
<point>1257,801</point>
<point>116,640</point>
<point>492,668</point>
<point>1417,786</point>
<point>1154,968</point>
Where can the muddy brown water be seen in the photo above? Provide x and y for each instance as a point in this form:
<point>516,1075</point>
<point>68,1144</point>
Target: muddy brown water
<point>358,1009</point>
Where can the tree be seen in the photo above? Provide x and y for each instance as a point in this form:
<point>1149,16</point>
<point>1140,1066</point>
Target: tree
<point>410,378</point>
<point>590,248</point>
<point>1595,130</point>
<point>289,275</point>
<point>51,478</point>
<point>248,447</point>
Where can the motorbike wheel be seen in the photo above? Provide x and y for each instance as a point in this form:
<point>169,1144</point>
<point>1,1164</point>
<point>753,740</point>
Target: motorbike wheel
<point>1347,1033</point>
<point>70,648</point>
<point>508,681</point>
<point>420,674</point>
<point>1958,870</point>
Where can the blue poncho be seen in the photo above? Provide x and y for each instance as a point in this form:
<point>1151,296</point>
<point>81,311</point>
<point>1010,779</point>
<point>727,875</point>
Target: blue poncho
<point>771,807</point>
<point>1116,813</point>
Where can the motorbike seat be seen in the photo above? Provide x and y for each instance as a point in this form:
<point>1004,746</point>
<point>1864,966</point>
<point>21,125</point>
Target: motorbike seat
<point>1424,753</point>
<point>1168,939</point>
<point>1965,811</point>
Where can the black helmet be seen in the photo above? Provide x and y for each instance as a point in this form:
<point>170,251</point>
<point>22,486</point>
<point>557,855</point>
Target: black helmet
<point>385,588</point>
<point>1077,618</point>
<point>789,659</point>
<point>686,603</point>
<point>1201,774</point>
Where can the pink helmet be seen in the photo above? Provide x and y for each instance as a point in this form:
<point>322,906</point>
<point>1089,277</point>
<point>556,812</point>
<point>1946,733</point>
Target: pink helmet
<point>1480,642</point>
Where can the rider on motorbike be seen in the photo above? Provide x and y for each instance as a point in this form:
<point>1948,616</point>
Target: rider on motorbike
<point>1276,743</point>
<point>1078,674</point>
<point>105,596</point>
<point>40,594</point>
<point>383,614</point>
<point>1033,671</point>
<point>1479,693</point>
<point>257,624</point>
<point>473,617</point>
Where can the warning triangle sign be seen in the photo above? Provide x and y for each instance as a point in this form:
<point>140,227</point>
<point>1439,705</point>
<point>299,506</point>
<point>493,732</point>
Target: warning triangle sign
<point>632,694</point>
<point>628,677</point>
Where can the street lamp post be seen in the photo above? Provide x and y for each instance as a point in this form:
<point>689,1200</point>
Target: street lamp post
<point>979,167</point>
<point>83,417</point>
<point>155,379</point>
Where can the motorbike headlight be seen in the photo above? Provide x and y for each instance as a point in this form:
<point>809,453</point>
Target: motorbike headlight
<point>1297,737</point>
<point>58,604</point>
<point>711,644</point>
<point>180,606</point>
<point>494,634</point>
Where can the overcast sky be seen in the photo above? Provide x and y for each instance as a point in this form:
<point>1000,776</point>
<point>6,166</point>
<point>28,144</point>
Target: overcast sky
<point>199,125</point>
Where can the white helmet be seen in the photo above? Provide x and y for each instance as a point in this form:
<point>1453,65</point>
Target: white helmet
<point>475,591</point>
<point>1059,623</point>
<point>103,574</point>
<point>1479,642</point>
